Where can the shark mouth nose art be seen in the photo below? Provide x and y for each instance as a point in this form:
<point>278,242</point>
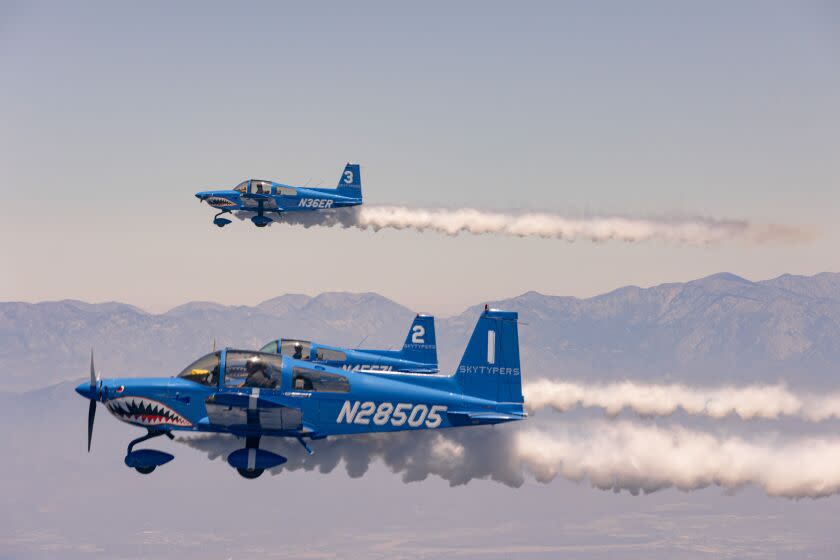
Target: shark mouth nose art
<point>219,201</point>
<point>145,412</point>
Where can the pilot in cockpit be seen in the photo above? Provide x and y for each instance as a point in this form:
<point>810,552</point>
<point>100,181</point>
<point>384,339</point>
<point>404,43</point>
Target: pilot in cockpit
<point>258,373</point>
<point>298,354</point>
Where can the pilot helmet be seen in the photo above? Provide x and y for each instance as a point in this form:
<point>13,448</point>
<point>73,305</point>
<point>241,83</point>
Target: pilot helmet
<point>254,364</point>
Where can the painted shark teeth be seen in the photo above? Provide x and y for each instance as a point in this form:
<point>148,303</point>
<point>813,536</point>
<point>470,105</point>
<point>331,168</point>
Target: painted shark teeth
<point>145,412</point>
<point>220,201</point>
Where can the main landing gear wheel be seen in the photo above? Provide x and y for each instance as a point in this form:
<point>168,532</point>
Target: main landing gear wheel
<point>251,461</point>
<point>245,473</point>
<point>145,470</point>
<point>261,221</point>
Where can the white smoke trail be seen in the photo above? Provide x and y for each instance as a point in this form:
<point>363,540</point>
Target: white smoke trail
<point>612,456</point>
<point>453,222</point>
<point>626,456</point>
<point>758,401</point>
<point>540,224</point>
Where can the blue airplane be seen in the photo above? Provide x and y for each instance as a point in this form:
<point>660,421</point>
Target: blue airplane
<point>256,198</point>
<point>418,354</point>
<point>254,394</point>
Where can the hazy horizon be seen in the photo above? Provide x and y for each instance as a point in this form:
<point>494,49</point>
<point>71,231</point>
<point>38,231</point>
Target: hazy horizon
<point>443,311</point>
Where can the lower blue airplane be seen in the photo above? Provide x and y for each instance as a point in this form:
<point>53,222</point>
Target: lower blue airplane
<point>254,394</point>
<point>418,354</point>
<point>257,197</point>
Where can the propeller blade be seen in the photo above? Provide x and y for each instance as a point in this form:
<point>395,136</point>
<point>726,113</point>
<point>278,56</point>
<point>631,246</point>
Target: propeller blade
<point>93,378</point>
<point>91,416</point>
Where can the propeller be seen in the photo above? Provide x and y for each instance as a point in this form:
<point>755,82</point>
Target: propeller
<point>91,416</point>
<point>94,381</point>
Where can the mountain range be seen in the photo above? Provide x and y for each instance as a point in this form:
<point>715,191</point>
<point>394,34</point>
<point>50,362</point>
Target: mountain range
<point>722,328</point>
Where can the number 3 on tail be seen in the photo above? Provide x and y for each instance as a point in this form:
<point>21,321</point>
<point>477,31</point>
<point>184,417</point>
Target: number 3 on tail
<point>348,177</point>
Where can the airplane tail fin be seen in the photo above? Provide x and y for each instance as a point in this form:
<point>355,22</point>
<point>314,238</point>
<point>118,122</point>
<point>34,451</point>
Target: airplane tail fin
<point>420,344</point>
<point>490,366</point>
<point>350,183</point>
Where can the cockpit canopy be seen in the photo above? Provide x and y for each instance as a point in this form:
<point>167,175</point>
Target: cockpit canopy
<point>270,348</point>
<point>297,349</point>
<point>329,355</point>
<point>304,350</point>
<point>254,186</point>
<point>246,368</point>
<point>204,370</point>
<point>253,369</point>
<point>242,369</point>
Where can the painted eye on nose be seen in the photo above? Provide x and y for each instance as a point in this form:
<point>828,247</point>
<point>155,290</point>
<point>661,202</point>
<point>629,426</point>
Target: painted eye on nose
<point>121,388</point>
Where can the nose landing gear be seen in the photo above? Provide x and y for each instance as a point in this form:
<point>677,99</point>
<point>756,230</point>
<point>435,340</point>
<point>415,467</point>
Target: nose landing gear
<point>146,461</point>
<point>221,222</point>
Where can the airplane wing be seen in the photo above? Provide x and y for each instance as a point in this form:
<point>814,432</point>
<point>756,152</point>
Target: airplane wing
<point>247,398</point>
<point>247,412</point>
<point>255,201</point>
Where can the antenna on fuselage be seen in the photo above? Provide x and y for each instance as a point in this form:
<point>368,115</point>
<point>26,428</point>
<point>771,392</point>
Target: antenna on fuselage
<point>362,341</point>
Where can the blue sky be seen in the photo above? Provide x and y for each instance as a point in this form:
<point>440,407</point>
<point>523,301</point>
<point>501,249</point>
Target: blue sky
<point>116,113</point>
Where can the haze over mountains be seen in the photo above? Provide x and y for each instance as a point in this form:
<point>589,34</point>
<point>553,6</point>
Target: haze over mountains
<point>61,501</point>
<point>721,328</point>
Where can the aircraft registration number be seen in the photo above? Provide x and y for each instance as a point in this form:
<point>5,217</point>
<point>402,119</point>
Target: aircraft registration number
<point>315,203</point>
<point>413,415</point>
<point>371,367</point>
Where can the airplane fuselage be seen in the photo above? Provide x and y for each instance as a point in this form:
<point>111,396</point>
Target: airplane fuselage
<point>372,402</point>
<point>280,199</point>
<point>381,360</point>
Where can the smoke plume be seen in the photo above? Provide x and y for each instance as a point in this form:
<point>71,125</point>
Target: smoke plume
<point>758,401</point>
<point>613,456</point>
<point>540,224</point>
<point>627,456</point>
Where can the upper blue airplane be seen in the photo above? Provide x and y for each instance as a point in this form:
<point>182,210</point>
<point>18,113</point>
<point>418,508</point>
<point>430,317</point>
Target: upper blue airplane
<point>254,394</point>
<point>418,354</point>
<point>257,198</point>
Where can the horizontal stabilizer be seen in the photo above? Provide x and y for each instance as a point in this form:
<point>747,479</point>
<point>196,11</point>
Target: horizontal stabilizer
<point>477,418</point>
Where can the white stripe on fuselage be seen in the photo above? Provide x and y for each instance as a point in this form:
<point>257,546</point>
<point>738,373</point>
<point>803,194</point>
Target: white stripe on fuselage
<point>252,402</point>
